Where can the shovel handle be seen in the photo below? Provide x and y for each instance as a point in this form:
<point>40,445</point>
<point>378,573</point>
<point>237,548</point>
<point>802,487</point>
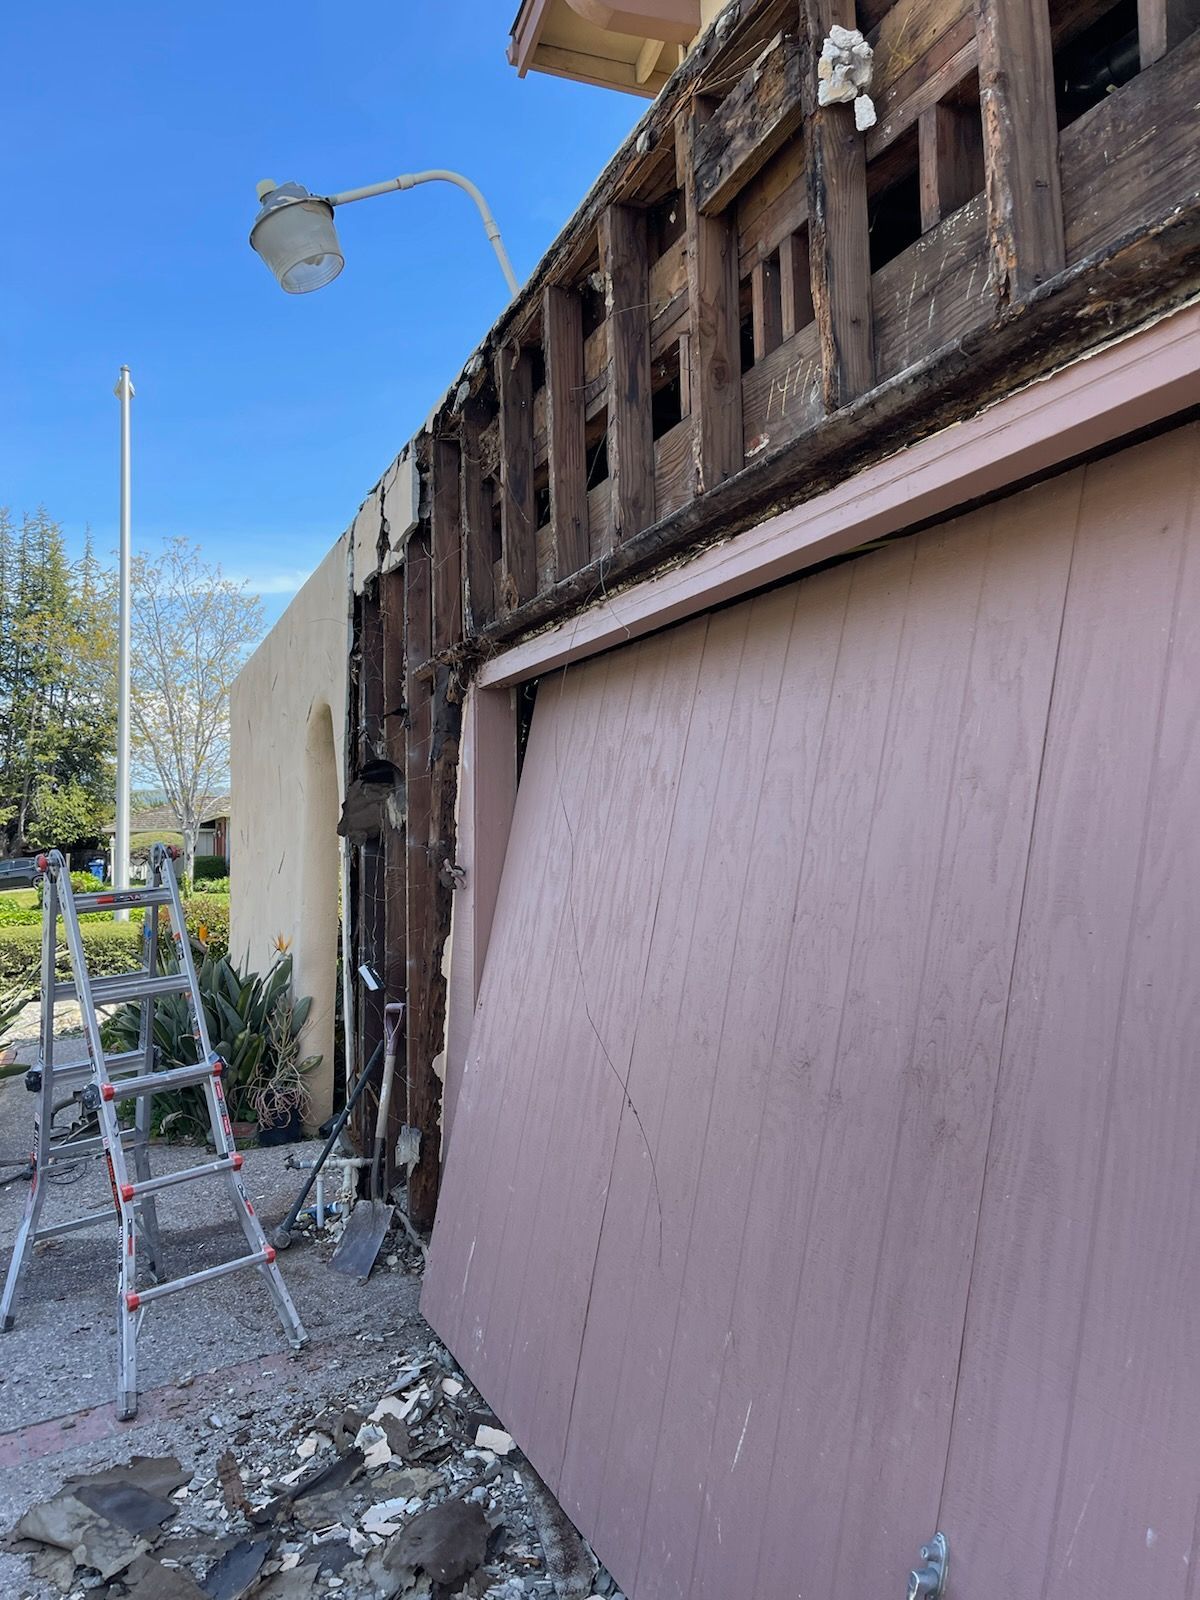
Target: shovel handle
<point>393,1016</point>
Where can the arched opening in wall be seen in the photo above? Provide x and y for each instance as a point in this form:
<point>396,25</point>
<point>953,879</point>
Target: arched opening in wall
<point>316,939</point>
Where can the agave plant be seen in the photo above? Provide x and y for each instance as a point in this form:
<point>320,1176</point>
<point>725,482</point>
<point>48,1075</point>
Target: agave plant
<point>250,1017</point>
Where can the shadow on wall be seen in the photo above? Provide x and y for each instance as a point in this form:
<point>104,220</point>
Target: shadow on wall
<point>316,934</point>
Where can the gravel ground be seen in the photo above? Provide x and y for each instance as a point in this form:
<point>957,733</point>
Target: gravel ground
<point>215,1375</point>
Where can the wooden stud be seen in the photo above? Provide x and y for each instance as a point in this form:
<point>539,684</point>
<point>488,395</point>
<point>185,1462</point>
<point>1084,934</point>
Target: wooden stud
<point>477,505</point>
<point>566,449</point>
<point>838,233</point>
<point>1162,24</point>
<point>1020,145</point>
<point>445,536</point>
<point>514,380</point>
<point>766,292</point>
<point>795,274</point>
<point>423,1036</point>
<point>950,140</point>
<point>713,320</point>
<point>391,607</point>
<point>625,264</point>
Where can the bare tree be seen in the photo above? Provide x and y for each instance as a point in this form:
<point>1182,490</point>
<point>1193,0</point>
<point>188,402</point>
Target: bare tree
<point>192,630</point>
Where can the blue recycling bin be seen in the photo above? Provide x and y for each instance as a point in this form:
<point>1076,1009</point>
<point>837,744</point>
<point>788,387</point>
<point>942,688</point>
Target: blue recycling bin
<point>96,868</point>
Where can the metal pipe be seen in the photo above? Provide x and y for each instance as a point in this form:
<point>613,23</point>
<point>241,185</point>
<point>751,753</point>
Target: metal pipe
<point>409,180</point>
<point>124,392</point>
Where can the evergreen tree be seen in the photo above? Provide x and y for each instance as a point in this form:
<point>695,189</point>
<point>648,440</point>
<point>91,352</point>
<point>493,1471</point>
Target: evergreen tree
<point>57,688</point>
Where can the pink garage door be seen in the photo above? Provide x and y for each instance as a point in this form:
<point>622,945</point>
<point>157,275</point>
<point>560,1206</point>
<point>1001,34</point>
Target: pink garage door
<point>824,1169</point>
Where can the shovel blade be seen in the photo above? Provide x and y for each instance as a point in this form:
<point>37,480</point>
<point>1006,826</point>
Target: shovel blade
<point>359,1244</point>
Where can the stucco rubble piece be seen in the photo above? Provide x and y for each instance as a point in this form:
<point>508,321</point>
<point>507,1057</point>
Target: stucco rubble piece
<point>364,535</point>
<point>400,498</point>
<point>844,73</point>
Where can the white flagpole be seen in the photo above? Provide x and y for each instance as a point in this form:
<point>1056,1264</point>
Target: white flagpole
<point>124,393</point>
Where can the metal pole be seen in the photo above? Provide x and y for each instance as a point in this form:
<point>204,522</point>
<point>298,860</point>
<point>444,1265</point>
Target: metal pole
<point>409,180</point>
<point>124,392</point>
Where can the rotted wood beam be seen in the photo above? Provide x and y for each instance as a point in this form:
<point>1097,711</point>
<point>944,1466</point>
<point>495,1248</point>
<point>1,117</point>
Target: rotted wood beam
<point>624,261</point>
<point>838,234</point>
<point>713,323</point>
<point>446,545</point>
<point>562,322</point>
<point>1020,145</point>
<point>423,1029</point>
<point>477,515</point>
<point>514,382</point>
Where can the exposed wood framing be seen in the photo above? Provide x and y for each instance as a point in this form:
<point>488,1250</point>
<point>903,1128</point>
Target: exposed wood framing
<point>518,519</point>
<point>1162,24</point>
<point>744,133</point>
<point>849,367</point>
<point>477,517</point>
<point>626,268</point>
<point>795,284</point>
<point>566,452</point>
<point>838,234</point>
<point>445,541</point>
<point>712,270</point>
<point>394,975</point>
<point>951,144</point>
<point>423,1039</point>
<point>1020,142</point>
<point>767,306</point>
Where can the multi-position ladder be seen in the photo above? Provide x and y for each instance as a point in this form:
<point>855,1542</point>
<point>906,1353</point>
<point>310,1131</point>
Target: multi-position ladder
<point>105,1083</point>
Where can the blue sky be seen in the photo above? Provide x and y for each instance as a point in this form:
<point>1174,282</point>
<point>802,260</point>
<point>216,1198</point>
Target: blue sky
<point>134,135</point>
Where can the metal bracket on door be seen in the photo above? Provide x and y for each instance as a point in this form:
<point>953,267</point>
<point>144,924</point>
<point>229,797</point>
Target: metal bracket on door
<point>928,1581</point>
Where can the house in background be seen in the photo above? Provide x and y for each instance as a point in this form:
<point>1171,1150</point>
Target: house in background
<point>213,838</point>
<point>771,728</point>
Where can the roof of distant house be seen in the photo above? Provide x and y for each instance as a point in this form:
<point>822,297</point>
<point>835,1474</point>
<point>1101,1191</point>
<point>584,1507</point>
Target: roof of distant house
<point>162,819</point>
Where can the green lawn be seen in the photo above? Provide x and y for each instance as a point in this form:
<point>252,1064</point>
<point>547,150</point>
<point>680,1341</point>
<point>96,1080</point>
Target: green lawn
<point>25,898</point>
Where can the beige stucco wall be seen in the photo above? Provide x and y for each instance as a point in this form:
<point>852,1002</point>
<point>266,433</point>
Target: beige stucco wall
<point>288,715</point>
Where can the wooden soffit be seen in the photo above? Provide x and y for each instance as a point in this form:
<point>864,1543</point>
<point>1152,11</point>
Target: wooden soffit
<point>632,46</point>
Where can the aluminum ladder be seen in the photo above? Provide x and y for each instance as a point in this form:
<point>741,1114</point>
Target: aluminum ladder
<point>105,1083</point>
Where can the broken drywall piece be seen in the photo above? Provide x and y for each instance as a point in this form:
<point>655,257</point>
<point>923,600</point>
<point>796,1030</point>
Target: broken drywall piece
<point>844,73</point>
<point>493,1439</point>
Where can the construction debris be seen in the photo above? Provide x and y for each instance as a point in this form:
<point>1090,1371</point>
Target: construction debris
<point>414,1492</point>
<point>844,73</point>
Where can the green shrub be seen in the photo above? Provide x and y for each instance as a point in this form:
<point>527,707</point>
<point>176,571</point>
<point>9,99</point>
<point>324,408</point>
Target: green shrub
<point>110,947</point>
<point>208,921</point>
<point>81,883</point>
<point>204,867</point>
<point>214,886</point>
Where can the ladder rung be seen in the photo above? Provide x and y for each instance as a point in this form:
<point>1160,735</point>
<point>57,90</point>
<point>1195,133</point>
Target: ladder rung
<point>72,1151</point>
<point>127,986</point>
<point>122,899</point>
<point>93,1217</point>
<point>210,1169</point>
<point>159,1082</point>
<point>83,1069</point>
<point>260,1258</point>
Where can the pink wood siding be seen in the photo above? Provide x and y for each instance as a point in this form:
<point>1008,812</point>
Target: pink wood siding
<point>838,930</point>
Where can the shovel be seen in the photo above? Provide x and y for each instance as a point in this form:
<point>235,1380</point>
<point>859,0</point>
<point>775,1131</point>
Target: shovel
<point>371,1219</point>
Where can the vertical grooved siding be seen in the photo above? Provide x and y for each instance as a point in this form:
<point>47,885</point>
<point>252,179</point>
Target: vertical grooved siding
<point>824,1163</point>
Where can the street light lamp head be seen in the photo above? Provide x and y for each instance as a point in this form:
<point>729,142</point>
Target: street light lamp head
<point>294,234</point>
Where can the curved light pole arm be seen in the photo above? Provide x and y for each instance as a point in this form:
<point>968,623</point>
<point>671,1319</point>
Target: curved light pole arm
<point>409,180</point>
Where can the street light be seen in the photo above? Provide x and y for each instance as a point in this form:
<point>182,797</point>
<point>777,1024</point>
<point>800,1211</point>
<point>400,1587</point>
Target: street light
<point>295,235</point>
